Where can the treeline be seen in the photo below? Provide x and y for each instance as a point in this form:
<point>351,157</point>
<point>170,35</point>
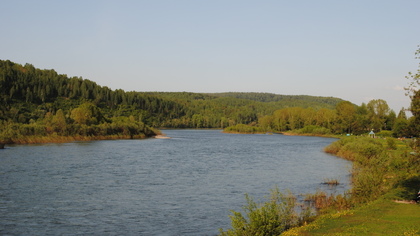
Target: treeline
<point>220,110</point>
<point>39,102</point>
<point>24,89</point>
<point>288,100</point>
<point>31,98</point>
<point>346,118</point>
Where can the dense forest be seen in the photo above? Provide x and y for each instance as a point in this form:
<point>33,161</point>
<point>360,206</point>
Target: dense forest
<point>40,102</point>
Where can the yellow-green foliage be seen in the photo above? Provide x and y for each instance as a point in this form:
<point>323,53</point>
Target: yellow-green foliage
<point>269,218</point>
<point>241,128</point>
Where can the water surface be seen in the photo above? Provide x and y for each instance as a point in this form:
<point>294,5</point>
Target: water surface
<point>185,185</point>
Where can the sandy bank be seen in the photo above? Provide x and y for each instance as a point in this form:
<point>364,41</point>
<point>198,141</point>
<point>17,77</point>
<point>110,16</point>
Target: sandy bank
<point>161,136</point>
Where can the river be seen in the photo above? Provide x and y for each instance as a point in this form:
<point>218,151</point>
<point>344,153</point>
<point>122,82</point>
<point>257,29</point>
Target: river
<point>185,185</point>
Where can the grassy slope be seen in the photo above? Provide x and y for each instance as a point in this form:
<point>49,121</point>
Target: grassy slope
<point>381,217</point>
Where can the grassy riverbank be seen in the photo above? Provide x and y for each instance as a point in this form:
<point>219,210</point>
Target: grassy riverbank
<point>66,139</point>
<point>385,179</point>
<point>15,133</point>
<point>384,216</point>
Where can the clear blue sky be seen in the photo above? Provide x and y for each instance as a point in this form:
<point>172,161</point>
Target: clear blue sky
<point>356,50</point>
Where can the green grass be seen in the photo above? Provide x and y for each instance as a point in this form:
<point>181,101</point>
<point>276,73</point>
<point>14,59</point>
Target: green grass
<point>391,214</point>
<point>381,217</point>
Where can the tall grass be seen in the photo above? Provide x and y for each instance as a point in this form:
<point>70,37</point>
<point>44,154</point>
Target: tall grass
<point>321,201</point>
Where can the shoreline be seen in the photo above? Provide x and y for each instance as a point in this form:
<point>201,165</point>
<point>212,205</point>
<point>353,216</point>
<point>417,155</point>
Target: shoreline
<point>66,139</point>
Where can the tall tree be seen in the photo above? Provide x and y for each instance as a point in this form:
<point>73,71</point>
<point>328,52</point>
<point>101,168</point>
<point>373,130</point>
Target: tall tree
<point>59,122</point>
<point>414,92</point>
<point>378,112</point>
<point>346,115</point>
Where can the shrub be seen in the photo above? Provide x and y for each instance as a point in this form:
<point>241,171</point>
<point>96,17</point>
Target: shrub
<point>367,184</point>
<point>242,128</point>
<point>392,144</point>
<point>269,218</point>
<point>313,129</point>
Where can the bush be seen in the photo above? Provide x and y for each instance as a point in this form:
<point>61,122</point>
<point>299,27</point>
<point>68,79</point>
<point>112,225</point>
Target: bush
<point>313,129</point>
<point>242,128</point>
<point>392,144</point>
<point>356,148</point>
<point>269,218</point>
<point>367,184</point>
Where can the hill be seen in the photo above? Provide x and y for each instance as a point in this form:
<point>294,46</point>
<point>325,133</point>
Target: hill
<point>28,94</point>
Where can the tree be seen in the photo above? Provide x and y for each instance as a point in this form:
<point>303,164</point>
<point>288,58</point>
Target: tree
<point>401,114</point>
<point>86,114</point>
<point>414,92</point>
<point>378,112</point>
<point>400,128</point>
<point>346,114</point>
<point>59,122</point>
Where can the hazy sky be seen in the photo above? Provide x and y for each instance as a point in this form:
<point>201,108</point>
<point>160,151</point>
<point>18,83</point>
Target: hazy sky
<point>356,50</point>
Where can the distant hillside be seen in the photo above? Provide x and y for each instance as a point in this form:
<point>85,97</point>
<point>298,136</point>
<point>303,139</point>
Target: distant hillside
<point>287,100</point>
<point>28,94</point>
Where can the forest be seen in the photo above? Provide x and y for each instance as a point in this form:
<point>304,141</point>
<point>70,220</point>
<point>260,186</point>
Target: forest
<point>39,103</point>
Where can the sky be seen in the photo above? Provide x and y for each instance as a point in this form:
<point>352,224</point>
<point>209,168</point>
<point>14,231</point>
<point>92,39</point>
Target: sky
<point>356,50</point>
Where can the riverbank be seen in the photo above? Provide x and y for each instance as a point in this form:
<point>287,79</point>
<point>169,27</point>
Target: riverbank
<point>383,216</point>
<point>385,177</point>
<point>291,133</point>
<point>385,180</point>
<point>67,139</point>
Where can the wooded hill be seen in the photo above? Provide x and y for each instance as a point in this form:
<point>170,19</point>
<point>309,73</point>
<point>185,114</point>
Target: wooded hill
<point>42,103</point>
<point>29,95</point>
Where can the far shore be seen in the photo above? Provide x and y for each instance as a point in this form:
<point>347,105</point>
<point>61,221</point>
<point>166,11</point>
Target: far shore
<point>66,139</point>
<point>287,133</point>
<point>162,136</point>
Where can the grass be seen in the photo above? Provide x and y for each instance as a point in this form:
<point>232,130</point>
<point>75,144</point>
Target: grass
<point>380,217</point>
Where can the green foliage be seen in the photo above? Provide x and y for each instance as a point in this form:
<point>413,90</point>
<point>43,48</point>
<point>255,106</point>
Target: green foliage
<point>414,92</point>
<point>385,133</point>
<point>272,217</point>
<point>287,100</point>
<point>391,143</point>
<point>400,128</point>
<point>378,165</point>
<point>246,129</point>
<point>314,129</point>
<point>30,95</point>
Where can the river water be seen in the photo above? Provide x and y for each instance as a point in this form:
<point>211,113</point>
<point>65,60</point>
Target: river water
<point>185,185</point>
